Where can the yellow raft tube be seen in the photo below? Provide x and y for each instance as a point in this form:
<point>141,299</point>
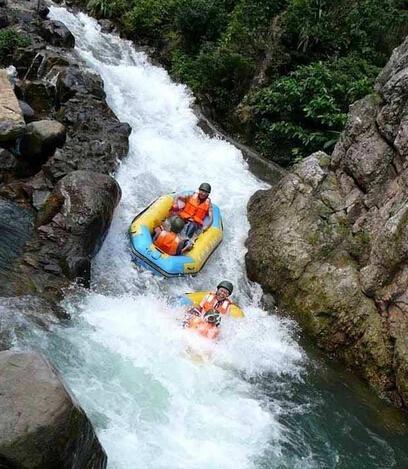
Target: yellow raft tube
<point>194,298</point>
<point>151,257</point>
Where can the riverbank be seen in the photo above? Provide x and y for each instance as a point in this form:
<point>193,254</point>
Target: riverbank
<point>330,238</point>
<point>59,144</point>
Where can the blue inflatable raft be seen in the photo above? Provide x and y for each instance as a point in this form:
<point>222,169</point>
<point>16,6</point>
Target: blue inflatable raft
<point>148,255</point>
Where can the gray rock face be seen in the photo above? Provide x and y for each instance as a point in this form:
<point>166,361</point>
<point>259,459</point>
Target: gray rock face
<point>71,81</point>
<point>41,140</point>
<point>16,228</point>
<point>331,239</point>
<point>11,118</point>
<point>28,111</point>
<point>39,95</point>
<point>57,34</point>
<point>95,142</point>
<point>42,425</point>
<point>77,216</point>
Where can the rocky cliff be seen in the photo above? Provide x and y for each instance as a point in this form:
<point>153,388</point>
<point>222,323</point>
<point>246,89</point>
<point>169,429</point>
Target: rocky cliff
<point>59,145</point>
<point>331,239</point>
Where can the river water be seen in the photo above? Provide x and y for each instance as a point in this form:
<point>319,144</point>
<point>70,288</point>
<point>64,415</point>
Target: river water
<point>160,397</point>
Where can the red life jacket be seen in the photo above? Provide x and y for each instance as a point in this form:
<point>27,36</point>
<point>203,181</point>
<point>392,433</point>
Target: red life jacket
<point>210,302</point>
<point>168,242</point>
<point>203,327</point>
<point>195,209</point>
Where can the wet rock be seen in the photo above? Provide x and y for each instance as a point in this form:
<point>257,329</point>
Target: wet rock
<point>268,302</point>
<point>86,200</point>
<point>330,239</point>
<point>21,315</point>
<point>43,11</point>
<point>41,140</point>
<point>57,34</point>
<point>107,26</point>
<point>16,228</point>
<point>11,118</point>
<point>42,425</point>
<point>100,149</point>
<point>72,80</point>
<point>8,161</point>
<point>4,19</point>
<point>27,110</point>
<point>39,95</point>
<point>43,62</point>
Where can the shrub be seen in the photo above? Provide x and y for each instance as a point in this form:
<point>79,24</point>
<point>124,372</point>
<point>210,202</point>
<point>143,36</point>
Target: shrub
<point>321,28</point>
<point>221,75</point>
<point>250,25</point>
<point>10,39</point>
<point>307,109</point>
<point>107,8</point>
<point>200,21</point>
<point>148,19</point>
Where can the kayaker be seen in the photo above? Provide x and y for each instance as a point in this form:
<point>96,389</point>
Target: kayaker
<point>206,325</point>
<point>197,209</point>
<point>170,241</point>
<point>218,301</point>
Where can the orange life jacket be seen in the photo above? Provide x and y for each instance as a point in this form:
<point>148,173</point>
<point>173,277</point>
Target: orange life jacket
<point>203,327</point>
<point>195,209</point>
<point>168,242</point>
<point>210,302</point>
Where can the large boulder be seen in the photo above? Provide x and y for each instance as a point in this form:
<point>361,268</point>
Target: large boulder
<point>41,140</point>
<point>57,34</point>
<point>11,118</point>
<point>16,228</point>
<point>72,80</point>
<point>40,95</point>
<point>96,141</point>
<point>331,238</point>
<point>100,148</point>
<point>41,423</point>
<point>43,62</point>
<point>77,216</point>
<point>8,165</point>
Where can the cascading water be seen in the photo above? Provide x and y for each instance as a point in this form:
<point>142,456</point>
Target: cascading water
<point>133,369</point>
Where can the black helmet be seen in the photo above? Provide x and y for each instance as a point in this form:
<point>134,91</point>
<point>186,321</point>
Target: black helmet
<point>213,317</point>
<point>227,285</point>
<point>205,187</point>
<point>177,224</point>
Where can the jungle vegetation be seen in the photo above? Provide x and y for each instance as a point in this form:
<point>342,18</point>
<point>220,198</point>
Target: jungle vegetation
<point>278,74</point>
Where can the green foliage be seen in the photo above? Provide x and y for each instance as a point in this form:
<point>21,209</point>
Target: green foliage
<point>321,28</point>
<point>307,109</point>
<point>294,66</point>
<point>107,8</point>
<point>200,21</point>
<point>149,19</point>
<point>10,39</point>
<point>374,25</point>
<point>219,74</point>
<point>250,25</point>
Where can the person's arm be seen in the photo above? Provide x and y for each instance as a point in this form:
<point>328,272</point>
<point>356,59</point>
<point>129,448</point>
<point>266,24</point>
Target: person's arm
<point>180,198</point>
<point>210,219</point>
<point>157,231</point>
<point>183,246</point>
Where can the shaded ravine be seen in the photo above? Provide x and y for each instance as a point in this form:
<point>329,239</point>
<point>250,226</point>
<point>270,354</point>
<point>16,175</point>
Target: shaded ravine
<point>257,399</point>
